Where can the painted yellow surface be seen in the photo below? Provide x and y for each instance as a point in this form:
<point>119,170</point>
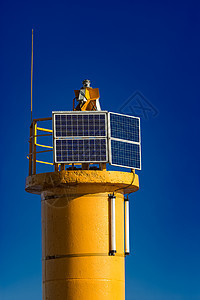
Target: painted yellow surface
<point>76,233</point>
<point>127,182</point>
<point>44,146</point>
<point>91,95</point>
<point>44,129</point>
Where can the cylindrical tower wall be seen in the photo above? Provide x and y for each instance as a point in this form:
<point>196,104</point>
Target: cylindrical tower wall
<point>76,243</point>
<point>76,233</point>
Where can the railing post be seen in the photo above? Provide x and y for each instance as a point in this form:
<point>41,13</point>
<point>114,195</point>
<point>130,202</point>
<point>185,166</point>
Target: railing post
<point>30,150</point>
<point>56,168</point>
<point>62,168</point>
<point>34,130</point>
<point>102,166</point>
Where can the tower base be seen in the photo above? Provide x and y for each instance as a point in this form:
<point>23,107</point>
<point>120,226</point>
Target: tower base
<point>76,259</point>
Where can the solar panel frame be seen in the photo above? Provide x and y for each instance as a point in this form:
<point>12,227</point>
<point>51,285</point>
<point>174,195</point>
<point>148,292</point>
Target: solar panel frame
<point>107,136</point>
<point>78,160</point>
<point>110,138</point>
<point>78,137</point>
<point>134,166</point>
<point>78,113</point>
<point>124,127</point>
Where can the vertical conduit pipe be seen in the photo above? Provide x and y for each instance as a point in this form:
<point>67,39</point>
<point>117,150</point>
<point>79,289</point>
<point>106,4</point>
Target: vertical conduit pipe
<point>112,225</point>
<point>127,240</point>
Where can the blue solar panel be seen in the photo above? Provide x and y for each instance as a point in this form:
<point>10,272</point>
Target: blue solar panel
<point>82,137</point>
<point>79,125</point>
<point>124,127</point>
<point>81,150</point>
<point>125,154</point>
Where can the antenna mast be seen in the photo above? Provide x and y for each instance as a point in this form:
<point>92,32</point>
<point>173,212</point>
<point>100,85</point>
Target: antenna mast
<point>32,79</point>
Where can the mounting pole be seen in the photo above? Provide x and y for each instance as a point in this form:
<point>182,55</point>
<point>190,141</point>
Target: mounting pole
<point>127,239</point>
<point>32,79</point>
<point>112,225</point>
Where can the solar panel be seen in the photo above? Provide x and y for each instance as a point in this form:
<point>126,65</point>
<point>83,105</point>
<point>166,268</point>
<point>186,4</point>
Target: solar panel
<point>81,150</point>
<point>80,137</point>
<point>125,127</point>
<point>124,135</point>
<point>79,125</point>
<point>125,154</point>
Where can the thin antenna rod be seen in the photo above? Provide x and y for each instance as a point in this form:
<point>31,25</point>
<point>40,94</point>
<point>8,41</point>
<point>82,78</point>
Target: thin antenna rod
<point>32,79</point>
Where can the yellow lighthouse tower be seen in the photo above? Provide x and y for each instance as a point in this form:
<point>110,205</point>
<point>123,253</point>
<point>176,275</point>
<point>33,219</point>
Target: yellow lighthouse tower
<point>85,214</point>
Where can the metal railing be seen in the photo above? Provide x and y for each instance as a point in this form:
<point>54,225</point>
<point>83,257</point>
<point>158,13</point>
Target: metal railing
<point>32,156</point>
<point>33,146</point>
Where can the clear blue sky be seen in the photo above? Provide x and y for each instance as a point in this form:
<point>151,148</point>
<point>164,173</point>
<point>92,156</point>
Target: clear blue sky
<point>122,47</point>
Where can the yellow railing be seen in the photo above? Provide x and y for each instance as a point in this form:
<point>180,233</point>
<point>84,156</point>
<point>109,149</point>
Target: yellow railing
<point>33,145</point>
<point>32,156</point>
